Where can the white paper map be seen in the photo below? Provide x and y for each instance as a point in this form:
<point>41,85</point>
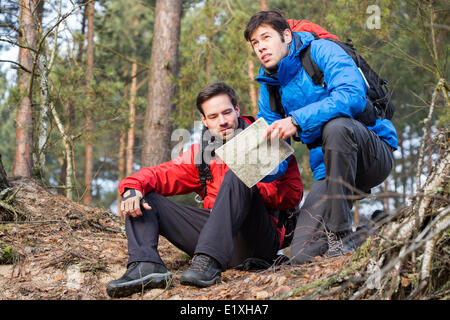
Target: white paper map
<point>250,156</point>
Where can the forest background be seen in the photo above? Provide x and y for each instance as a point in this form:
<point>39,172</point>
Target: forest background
<point>90,91</point>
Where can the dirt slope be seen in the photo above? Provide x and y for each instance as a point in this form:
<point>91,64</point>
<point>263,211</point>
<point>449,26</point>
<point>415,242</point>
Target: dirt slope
<point>71,251</point>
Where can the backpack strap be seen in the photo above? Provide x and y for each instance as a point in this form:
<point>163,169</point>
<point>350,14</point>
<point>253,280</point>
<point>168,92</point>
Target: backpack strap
<point>204,172</point>
<point>311,68</point>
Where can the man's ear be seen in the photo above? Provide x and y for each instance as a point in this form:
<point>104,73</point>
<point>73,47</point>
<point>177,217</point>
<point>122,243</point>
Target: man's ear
<point>287,34</point>
<point>238,111</point>
<point>203,119</point>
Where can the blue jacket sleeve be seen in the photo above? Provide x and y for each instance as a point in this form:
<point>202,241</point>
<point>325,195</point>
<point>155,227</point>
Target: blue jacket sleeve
<point>346,90</point>
<point>265,112</point>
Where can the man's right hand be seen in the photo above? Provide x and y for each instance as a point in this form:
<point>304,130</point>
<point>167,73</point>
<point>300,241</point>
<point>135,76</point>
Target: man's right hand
<point>130,205</point>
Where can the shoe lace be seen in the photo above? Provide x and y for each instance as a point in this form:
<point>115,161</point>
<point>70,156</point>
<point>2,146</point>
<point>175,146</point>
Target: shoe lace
<point>200,263</point>
<point>334,242</point>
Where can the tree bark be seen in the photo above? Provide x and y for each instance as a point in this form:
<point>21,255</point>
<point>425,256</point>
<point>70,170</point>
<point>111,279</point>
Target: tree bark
<point>121,168</point>
<point>387,208</point>
<point>88,156</point>
<point>163,64</point>
<point>252,88</point>
<point>23,156</point>
<point>132,118</point>
<point>263,6</point>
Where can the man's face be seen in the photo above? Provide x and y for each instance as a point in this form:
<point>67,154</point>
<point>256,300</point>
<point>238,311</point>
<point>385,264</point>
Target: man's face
<point>269,45</point>
<point>220,116</point>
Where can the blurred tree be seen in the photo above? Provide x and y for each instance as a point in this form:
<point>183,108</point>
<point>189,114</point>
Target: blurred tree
<point>7,128</point>
<point>163,64</point>
<point>29,22</point>
<point>89,76</point>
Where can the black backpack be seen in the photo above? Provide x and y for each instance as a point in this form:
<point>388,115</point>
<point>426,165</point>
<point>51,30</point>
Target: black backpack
<point>286,218</point>
<point>379,104</point>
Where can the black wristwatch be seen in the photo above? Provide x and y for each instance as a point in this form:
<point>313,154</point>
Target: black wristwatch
<point>295,123</point>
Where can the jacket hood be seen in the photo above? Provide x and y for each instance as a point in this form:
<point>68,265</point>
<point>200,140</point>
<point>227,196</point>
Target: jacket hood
<point>289,66</point>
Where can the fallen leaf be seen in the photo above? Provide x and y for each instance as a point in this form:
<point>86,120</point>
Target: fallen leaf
<point>262,295</point>
<point>281,280</point>
<point>282,290</point>
<point>405,281</point>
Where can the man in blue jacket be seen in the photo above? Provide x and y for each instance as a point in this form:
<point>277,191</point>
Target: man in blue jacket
<point>347,158</point>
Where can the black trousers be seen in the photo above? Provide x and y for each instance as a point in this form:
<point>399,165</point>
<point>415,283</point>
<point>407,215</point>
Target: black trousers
<point>236,228</point>
<point>356,159</point>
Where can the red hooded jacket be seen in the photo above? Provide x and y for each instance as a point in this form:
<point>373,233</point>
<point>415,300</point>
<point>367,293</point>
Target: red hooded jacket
<point>180,176</point>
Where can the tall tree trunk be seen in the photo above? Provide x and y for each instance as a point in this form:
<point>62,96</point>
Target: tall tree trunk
<point>132,118</point>
<point>88,156</point>
<point>40,111</point>
<point>212,33</point>
<point>163,64</point>
<point>122,151</point>
<point>263,6</point>
<point>252,87</point>
<point>403,174</point>
<point>23,156</point>
<point>83,32</point>
<point>121,168</point>
<point>387,208</point>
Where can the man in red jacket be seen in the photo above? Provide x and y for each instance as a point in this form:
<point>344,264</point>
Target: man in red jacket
<point>234,223</point>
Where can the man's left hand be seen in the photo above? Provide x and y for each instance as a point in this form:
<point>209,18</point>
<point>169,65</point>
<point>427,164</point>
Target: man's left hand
<point>282,129</point>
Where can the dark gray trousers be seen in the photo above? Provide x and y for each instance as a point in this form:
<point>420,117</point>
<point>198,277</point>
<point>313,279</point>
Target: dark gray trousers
<point>236,228</point>
<point>355,159</point>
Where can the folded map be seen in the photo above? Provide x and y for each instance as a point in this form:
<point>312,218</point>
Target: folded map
<point>250,156</point>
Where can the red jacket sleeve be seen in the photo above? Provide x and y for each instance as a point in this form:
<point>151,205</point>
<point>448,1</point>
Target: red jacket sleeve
<point>178,176</point>
<point>286,192</point>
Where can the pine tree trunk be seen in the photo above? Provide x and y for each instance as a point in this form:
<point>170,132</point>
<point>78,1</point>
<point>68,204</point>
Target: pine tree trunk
<point>23,156</point>
<point>263,6</point>
<point>89,149</point>
<point>252,88</point>
<point>132,118</point>
<point>121,168</point>
<point>387,208</point>
<point>163,64</point>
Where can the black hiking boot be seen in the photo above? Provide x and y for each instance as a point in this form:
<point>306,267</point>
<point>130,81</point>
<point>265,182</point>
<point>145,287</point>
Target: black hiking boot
<point>339,244</point>
<point>140,276</point>
<point>203,272</point>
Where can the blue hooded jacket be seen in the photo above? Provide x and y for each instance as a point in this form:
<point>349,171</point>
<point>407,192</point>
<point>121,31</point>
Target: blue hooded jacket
<point>311,105</point>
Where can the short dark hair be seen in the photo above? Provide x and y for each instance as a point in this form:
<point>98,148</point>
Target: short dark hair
<point>273,18</point>
<point>213,90</point>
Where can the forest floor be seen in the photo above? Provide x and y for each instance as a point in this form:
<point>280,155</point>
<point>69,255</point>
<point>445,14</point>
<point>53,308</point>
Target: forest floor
<point>66,250</point>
